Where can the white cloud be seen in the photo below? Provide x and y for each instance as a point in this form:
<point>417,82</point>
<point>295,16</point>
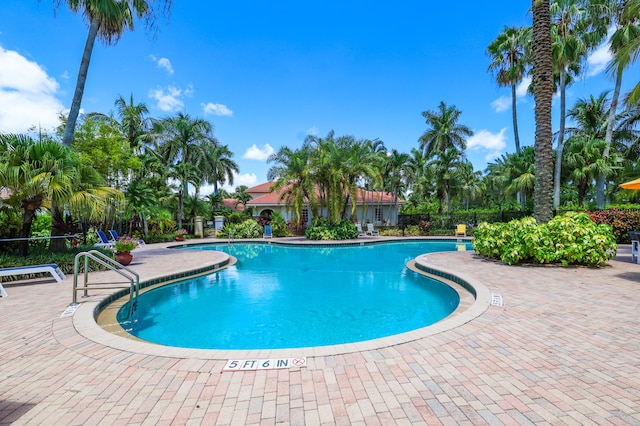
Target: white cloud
<point>598,59</point>
<point>313,131</point>
<point>484,140</point>
<point>169,100</point>
<point>27,94</point>
<point>162,63</point>
<point>523,87</point>
<point>259,154</point>
<point>166,64</point>
<point>65,75</point>
<point>248,179</point>
<point>216,109</point>
<point>501,104</point>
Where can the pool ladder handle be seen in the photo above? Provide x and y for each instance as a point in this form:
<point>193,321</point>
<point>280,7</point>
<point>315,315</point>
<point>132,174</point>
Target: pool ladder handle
<point>99,257</point>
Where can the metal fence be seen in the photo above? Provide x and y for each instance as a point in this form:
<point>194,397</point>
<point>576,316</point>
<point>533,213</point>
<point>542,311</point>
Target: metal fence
<point>451,220</point>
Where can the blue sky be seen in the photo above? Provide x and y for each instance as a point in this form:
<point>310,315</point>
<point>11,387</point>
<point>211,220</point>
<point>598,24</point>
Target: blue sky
<point>267,75</point>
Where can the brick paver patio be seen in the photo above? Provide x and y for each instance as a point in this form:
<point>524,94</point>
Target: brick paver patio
<point>563,349</point>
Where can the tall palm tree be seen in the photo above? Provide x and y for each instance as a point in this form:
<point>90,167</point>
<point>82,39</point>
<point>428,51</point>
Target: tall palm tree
<point>445,166</point>
<point>133,121</point>
<point>419,183</point>
<point>625,16</point>
<point>543,93</point>
<point>508,53</point>
<point>569,22</point>
<point>292,169</point>
<point>180,142</point>
<point>443,130</point>
<point>107,20</point>
<point>470,183</point>
<point>396,171</point>
<point>587,137</point>
<point>217,165</point>
<point>515,173</point>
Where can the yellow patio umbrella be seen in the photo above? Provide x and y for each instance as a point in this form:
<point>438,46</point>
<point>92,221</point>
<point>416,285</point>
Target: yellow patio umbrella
<point>634,184</point>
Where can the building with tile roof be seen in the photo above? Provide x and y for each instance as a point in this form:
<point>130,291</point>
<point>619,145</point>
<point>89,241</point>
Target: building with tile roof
<point>374,207</point>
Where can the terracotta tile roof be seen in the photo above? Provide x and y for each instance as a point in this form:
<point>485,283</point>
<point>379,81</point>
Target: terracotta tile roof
<point>230,204</point>
<point>263,187</point>
<point>369,197</point>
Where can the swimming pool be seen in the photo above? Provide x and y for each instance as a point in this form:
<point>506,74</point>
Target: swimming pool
<point>282,296</point>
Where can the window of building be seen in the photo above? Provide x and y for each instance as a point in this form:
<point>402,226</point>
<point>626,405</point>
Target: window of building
<point>378,214</point>
<point>305,216</point>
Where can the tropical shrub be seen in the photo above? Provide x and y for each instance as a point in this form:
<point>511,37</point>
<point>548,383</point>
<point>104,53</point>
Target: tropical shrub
<point>278,225</point>
<point>343,230</point>
<point>247,229</point>
<point>620,220</point>
<point>10,224</point>
<point>571,239</point>
<point>235,217</point>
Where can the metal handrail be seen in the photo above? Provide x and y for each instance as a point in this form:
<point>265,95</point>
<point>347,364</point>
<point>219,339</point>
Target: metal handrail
<point>109,263</point>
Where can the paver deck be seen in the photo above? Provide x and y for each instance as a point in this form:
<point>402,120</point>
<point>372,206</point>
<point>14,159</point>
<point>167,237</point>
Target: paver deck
<point>563,349</point>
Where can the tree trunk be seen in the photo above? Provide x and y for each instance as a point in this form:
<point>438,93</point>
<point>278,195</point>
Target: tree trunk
<point>57,220</point>
<point>514,114</point>
<point>82,78</point>
<point>180,209</point>
<point>608,137</point>
<point>27,219</point>
<point>543,83</point>
<point>560,148</point>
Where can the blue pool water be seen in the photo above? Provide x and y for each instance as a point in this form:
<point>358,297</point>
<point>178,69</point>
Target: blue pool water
<point>296,296</point>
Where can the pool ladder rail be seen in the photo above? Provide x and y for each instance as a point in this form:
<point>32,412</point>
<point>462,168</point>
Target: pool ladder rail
<point>130,275</point>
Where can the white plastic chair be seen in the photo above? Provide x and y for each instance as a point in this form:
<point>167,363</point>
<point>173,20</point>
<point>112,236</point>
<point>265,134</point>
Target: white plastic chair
<point>370,230</point>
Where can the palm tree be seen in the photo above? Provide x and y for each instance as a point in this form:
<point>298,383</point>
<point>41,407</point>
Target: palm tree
<point>292,169</point>
<point>133,122</point>
<point>48,174</point>
<point>181,141</point>
<point>543,93</point>
<point>515,173</point>
<point>569,22</point>
<point>508,53</point>
<point>396,171</point>
<point>217,165</point>
<point>624,14</point>
<point>470,183</point>
<point>108,20</point>
<point>445,166</point>
<point>586,162</point>
<point>241,196</point>
<point>142,201</point>
<point>443,131</point>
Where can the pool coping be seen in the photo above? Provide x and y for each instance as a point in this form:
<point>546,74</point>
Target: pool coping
<point>85,320</point>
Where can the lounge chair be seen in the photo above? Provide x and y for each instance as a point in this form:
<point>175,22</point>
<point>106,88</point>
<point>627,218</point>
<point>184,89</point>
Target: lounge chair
<point>461,230</point>
<point>267,232</point>
<point>370,230</point>
<point>359,229</point>
<point>51,268</point>
<point>115,237</point>
<point>104,241</point>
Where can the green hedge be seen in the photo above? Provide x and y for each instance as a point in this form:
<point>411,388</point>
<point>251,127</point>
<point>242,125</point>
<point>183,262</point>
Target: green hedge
<point>247,229</point>
<point>344,230</point>
<point>571,239</point>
